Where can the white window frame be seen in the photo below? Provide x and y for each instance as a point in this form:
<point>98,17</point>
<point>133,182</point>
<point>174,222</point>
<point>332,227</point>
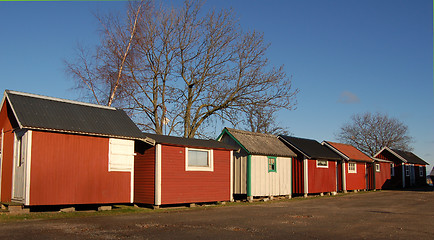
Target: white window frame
<point>352,170</point>
<point>209,168</point>
<point>420,171</point>
<point>407,170</point>
<point>392,169</point>
<point>320,166</point>
<point>377,167</point>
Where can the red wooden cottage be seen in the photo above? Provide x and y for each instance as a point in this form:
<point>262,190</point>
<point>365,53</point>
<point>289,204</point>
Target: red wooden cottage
<point>61,152</point>
<point>379,174</point>
<point>353,170</point>
<point>314,168</point>
<point>182,170</point>
<point>406,169</point>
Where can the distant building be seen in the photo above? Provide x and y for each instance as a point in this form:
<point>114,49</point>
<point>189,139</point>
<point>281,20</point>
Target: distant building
<point>407,169</point>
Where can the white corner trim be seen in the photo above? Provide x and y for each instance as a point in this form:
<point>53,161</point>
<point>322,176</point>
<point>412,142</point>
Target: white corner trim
<point>28,165</point>
<point>344,177</point>
<point>157,174</point>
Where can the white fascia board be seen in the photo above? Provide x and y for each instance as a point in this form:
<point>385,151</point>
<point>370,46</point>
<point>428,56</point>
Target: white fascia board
<point>292,145</point>
<point>381,160</point>
<point>60,100</point>
<point>392,152</point>
<point>336,150</point>
<point>13,111</point>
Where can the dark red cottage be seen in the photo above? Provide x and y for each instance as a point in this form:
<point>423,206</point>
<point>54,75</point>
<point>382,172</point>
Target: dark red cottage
<point>406,169</point>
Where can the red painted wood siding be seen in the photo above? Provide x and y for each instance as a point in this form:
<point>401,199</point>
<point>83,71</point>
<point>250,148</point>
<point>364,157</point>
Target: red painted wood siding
<point>144,177</point>
<point>382,178</point>
<point>321,179</point>
<point>180,186</point>
<point>73,169</point>
<point>339,175</point>
<point>371,179</point>
<point>8,152</point>
<point>297,175</point>
<point>356,181</point>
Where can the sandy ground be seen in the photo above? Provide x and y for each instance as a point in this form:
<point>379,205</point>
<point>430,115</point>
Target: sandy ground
<point>372,215</point>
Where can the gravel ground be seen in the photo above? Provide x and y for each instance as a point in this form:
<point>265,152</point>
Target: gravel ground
<point>371,215</point>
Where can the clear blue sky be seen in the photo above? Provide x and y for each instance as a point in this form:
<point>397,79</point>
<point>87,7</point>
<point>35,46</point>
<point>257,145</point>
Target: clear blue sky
<point>346,56</point>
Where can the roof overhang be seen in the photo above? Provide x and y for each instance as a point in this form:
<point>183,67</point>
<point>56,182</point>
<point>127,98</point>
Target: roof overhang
<point>225,130</point>
<point>336,150</point>
<point>381,160</point>
<point>292,145</point>
<point>392,152</point>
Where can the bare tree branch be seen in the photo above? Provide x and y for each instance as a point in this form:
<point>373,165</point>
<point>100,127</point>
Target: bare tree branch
<point>371,132</point>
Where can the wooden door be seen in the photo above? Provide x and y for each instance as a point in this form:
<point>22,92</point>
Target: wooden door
<point>297,175</point>
<point>19,170</point>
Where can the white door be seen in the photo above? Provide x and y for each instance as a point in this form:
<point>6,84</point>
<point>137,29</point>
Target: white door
<point>20,156</point>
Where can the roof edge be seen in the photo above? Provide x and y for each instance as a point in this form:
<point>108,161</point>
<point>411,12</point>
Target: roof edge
<point>381,160</point>
<point>59,99</point>
<point>292,145</point>
<point>146,139</point>
<point>226,130</point>
<point>392,152</point>
<point>325,143</point>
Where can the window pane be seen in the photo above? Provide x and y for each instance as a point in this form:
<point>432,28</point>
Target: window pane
<point>197,158</point>
<point>322,163</point>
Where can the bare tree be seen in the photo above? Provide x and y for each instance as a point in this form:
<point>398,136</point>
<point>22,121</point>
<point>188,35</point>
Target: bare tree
<point>371,132</point>
<point>101,73</point>
<point>263,120</point>
<point>182,68</point>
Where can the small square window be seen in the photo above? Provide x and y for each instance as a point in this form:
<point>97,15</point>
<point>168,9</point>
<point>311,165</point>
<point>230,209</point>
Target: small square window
<point>421,171</point>
<point>392,169</point>
<point>272,164</point>
<point>322,164</point>
<point>407,170</point>
<point>352,167</point>
<point>377,167</point>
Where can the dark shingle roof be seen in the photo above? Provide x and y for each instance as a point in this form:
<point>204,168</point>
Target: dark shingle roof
<point>410,157</point>
<point>187,142</point>
<point>53,114</point>
<point>310,148</point>
<point>260,143</point>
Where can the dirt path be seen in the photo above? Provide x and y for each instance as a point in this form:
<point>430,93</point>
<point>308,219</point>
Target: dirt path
<point>373,215</point>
